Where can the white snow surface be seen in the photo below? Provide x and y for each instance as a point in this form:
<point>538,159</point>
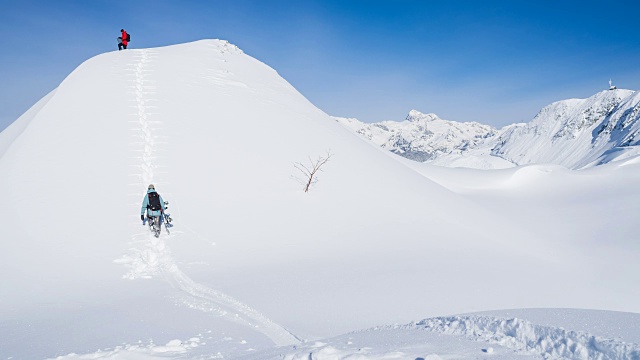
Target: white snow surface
<point>255,267</point>
<point>466,337</point>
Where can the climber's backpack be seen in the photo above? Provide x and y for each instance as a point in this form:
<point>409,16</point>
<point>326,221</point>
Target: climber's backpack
<point>154,201</point>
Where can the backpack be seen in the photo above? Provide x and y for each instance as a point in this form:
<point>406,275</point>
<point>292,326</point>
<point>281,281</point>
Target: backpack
<point>128,37</point>
<point>154,201</point>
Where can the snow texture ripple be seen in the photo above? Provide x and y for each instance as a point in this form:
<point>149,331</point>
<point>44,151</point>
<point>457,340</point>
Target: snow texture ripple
<point>524,336</point>
<point>151,257</point>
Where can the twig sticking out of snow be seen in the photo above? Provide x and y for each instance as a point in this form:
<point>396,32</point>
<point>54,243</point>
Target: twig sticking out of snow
<point>309,171</point>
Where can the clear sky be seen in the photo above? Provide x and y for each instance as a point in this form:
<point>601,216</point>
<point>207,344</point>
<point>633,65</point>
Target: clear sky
<point>496,62</point>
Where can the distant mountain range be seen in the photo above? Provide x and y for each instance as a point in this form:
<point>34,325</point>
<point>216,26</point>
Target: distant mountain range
<point>574,133</point>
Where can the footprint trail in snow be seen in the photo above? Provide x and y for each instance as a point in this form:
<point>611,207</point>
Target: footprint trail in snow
<point>151,257</point>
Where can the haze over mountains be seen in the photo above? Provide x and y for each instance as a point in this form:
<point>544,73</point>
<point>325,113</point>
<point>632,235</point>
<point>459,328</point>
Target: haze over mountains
<point>257,268</point>
<point>574,133</point>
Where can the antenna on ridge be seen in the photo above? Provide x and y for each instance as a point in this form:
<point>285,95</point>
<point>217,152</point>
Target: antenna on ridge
<point>611,87</point>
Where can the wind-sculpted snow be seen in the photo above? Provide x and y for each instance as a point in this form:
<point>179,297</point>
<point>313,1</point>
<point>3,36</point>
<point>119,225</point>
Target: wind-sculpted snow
<point>523,336</point>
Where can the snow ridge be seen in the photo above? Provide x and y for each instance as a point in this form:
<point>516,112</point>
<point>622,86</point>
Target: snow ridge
<point>524,336</point>
<point>570,132</point>
<point>422,137</point>
<point>574,133</point>
<point>151,257</point>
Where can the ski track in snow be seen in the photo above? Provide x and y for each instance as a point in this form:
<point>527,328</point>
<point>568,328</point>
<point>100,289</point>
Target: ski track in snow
<point>524,336</point>
<point>151,257</point>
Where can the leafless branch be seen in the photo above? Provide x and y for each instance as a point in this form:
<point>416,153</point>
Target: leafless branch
<point>310,171</point>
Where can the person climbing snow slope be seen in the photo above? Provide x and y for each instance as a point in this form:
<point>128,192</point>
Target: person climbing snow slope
<point>154,206</point>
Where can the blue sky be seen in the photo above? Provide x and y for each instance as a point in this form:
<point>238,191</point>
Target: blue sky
<point>496,62</point>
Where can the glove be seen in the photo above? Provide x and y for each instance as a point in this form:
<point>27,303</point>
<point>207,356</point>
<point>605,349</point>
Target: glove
<point>142,217</point>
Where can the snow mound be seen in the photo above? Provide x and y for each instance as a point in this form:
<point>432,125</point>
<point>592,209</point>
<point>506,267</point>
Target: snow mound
<point>527,337</point>
<point>327,352</point>
<point>140,351</point>
<point>534,174</point>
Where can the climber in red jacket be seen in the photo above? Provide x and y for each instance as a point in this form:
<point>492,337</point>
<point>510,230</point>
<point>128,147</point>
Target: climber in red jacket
<point>123,40</point>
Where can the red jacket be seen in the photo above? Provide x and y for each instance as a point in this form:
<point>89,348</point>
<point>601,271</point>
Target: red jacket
<point>124,38</point>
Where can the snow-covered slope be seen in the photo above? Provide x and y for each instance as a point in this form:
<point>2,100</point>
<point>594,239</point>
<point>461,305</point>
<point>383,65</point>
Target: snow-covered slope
<point>13,131</point>
<point>573,133</point>
<point>533,334</point>
<point>480,336</point>
<point>252,261</point>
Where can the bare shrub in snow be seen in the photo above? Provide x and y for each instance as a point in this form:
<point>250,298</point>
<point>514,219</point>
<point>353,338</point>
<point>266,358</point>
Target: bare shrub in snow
<point>311,169</point>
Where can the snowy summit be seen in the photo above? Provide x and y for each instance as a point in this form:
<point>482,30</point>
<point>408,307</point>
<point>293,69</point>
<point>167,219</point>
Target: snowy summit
<point>256,268</point>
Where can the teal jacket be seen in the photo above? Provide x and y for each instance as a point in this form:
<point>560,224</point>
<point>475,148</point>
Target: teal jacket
<point>145,204</point>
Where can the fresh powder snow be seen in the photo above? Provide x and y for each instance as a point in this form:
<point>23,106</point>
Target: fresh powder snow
<point>254,267</point>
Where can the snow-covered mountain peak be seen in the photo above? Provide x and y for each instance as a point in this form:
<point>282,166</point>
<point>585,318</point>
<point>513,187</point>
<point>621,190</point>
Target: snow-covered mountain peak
<point>590,108</point>
<point>422,137</point>
<point>566,132</point>
<point>415,115</point>
<point>573,133</point>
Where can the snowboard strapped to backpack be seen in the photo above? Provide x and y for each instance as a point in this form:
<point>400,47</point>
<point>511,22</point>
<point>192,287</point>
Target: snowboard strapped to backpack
<point>154,201</point>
